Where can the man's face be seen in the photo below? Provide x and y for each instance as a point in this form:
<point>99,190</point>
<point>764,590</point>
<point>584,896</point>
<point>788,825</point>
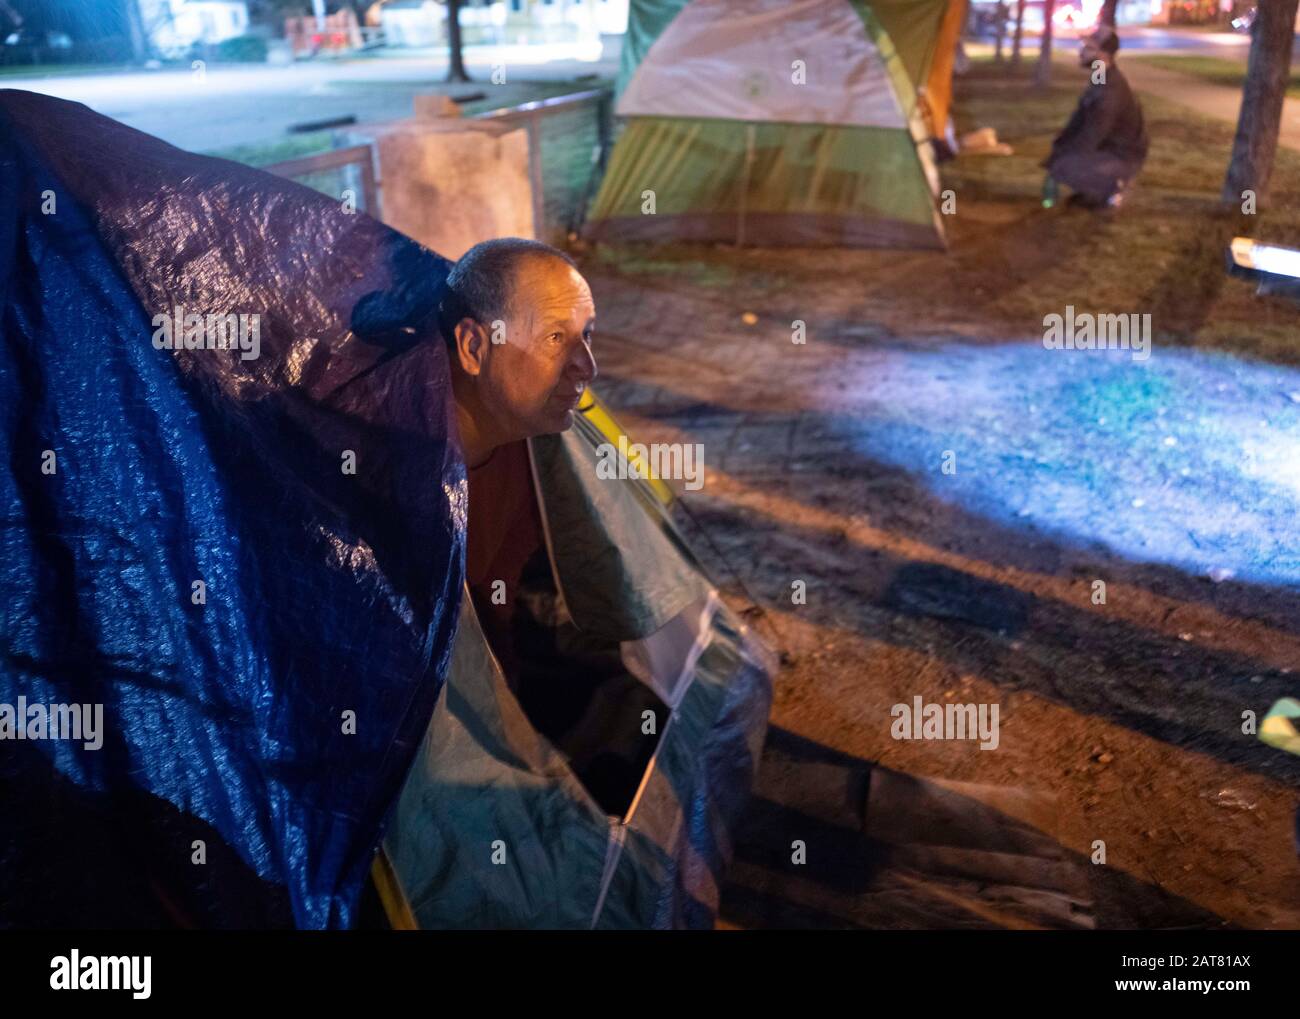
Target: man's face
<point>1089,52</point>
<point>530,382</point>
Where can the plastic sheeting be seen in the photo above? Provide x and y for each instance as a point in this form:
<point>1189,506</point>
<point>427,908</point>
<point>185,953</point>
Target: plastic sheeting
<point>736,152</point>
<point>768,184</point>
<point>938,80</point>
<point>495,829</point>
<point>271,714</point>
<point>622,571</point>
<point>716,59</point>
<point>912,25</point>
<point>646,21</point>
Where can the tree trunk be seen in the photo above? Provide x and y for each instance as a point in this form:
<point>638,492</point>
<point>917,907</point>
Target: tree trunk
<point>1107,15</point>
<point>1000,30</point>
<point>1267,75</point>
<point>456,70</point>
<point>141,49</point>
<point>1020,26</point>
<point>1043,73</point>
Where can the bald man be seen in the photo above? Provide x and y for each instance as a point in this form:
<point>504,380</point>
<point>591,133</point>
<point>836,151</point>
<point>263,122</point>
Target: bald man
<point>518,319</point>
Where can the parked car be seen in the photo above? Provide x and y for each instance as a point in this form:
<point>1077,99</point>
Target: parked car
<point>24,46</point>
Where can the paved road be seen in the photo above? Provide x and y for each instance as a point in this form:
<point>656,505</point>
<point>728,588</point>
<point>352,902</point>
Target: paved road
<point>1223,44</point>
<point>1169,40</point>
<point>1205,97</point>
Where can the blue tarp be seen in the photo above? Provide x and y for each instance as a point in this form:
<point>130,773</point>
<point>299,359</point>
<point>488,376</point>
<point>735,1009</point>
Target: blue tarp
<point>253,564</point>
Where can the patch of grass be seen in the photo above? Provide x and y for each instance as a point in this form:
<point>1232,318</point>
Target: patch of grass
<point>1217,70</point>
<point>278,149</point>
<point>328,182</point>
<point>59,70</point>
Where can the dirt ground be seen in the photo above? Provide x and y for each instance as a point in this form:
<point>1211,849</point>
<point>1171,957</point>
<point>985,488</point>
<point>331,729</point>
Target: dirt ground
<point>1177,485</point>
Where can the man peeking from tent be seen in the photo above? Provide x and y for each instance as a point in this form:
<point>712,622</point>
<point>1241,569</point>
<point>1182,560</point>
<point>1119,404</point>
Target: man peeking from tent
<point>518,319</point>
<point>249,569</point>
<point>1104,144</point>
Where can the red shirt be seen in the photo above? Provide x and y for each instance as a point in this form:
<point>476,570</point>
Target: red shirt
<point>505,531</point>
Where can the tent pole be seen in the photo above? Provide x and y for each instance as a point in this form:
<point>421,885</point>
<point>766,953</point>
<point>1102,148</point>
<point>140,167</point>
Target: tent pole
<point>744,184</point>
<point>397,908</point>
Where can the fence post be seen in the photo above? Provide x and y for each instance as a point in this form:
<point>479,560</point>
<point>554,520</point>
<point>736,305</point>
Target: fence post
<point>535,174</point>
<point>369,182</point>
<point>604,127</point>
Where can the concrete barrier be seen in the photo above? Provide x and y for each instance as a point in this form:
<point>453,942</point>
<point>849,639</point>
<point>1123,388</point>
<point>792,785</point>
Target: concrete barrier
<point>450,182</point>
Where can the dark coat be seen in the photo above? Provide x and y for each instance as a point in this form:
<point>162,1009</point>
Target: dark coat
<point>1104,144</point>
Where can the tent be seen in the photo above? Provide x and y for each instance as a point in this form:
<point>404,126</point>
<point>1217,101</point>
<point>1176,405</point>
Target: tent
<point>782,122</point>
<point>925,34</point>
<point>601,825</point>
<point>935,88</point>
<point>244,547</point>
<point>251,556</point>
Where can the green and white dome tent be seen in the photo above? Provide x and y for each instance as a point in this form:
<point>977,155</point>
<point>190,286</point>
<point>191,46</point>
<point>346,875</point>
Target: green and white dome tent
<point>773,122</point>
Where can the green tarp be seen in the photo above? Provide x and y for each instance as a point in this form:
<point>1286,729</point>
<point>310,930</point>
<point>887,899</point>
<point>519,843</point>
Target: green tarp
<point>495,829</point>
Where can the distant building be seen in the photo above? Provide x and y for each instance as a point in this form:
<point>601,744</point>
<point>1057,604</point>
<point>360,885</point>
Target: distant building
<point>1067,14</point>
<point>173,26</point>
<point>412,22</point>
<point>503,22</point>
<point>598,17</point>
<point>1199,12</point>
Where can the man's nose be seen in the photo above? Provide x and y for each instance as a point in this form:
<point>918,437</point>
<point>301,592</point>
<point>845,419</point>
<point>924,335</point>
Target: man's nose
<point>584,362</point>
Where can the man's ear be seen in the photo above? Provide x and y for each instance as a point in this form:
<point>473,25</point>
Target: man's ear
<point>471,342</point>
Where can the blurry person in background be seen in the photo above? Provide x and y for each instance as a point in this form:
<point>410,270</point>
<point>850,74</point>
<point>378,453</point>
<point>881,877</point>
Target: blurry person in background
<point>1104,144</point>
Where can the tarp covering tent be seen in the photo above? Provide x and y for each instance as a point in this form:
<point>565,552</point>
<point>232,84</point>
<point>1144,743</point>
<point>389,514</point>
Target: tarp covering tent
<point>130,474</point>
<point>282,712</point>
<point>774,122</point>
<point>603,824</point>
